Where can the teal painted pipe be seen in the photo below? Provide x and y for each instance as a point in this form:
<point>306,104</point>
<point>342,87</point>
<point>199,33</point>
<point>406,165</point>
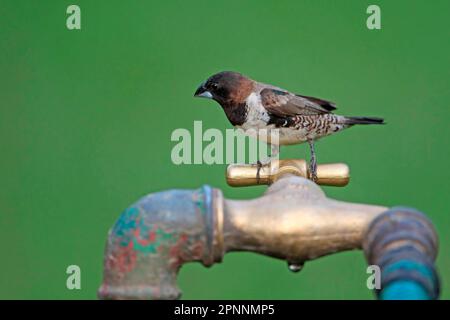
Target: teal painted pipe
<point>404,290</point>
<point>402,242</point>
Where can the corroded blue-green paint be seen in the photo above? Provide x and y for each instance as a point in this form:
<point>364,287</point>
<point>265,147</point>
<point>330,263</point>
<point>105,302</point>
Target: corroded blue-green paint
<point>160,237</point>
<point>125,224</point>
<point>130,227</point>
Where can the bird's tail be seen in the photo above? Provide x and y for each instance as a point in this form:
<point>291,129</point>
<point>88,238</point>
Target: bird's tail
<point>363,120</point>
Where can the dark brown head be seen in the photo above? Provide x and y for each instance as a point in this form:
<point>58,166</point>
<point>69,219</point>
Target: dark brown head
<point>227,88</point>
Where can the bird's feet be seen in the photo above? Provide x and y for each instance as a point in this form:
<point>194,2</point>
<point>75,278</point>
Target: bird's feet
<point>274,151</point>
<point>313,171</point>
<point>312,162</point>
<point>259,166</point>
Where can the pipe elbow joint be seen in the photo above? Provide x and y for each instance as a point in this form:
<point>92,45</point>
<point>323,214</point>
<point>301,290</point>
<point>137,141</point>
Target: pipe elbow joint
<point>154,237</point>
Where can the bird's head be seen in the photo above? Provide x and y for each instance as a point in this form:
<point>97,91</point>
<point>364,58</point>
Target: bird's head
<point>226,87</point>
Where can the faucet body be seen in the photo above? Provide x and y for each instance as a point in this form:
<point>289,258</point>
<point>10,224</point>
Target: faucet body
<point>293,221</point>
<point>296,222</point>
<point>155,236</point>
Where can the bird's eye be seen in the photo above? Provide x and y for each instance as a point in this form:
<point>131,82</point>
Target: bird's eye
<point>214,86</point>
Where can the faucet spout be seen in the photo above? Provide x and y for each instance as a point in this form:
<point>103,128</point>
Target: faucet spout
<point>295,221</point>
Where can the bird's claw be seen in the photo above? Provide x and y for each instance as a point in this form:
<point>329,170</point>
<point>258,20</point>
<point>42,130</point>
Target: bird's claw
<point>314,177</point>
<point>259,166</point>
<point>313,172</point>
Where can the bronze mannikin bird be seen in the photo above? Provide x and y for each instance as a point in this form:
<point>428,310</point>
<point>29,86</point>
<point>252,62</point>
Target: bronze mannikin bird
<point>249,104</point>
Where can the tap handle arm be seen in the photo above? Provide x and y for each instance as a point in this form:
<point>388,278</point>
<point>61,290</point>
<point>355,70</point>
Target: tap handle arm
<point>241,175</point>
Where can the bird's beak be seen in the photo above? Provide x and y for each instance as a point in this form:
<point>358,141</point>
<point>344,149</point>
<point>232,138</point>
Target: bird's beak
<point>202,92</point>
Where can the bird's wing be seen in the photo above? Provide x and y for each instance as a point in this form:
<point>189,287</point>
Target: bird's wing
<point>283,103</point>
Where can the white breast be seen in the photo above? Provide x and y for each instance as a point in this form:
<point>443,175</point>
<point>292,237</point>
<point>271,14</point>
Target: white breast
<point>257,116</point>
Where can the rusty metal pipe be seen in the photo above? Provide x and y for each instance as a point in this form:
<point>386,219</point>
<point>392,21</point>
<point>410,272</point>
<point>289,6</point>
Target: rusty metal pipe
<point>154,237</point>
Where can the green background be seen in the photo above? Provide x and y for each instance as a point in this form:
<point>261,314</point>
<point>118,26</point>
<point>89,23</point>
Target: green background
<point>86,118</point>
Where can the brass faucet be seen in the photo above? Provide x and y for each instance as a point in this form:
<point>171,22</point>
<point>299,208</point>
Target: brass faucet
<point>293,221</point>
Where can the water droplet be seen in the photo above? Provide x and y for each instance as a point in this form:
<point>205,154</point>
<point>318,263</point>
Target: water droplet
<point>295,267</point>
